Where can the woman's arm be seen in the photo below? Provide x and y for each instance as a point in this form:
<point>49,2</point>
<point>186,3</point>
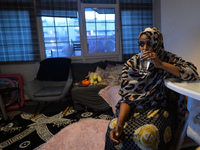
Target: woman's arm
<point>117,131</point>
<point>176,66</point>
<point>123,114</point>
<point>166,66</point>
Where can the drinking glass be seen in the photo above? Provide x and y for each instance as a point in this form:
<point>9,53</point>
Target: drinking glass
<point>144,64</point>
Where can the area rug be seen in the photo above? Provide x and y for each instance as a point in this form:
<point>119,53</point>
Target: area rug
<point>21,132</point>
<point>87,134</point>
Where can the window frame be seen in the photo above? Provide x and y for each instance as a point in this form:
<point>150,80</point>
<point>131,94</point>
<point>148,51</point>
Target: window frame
<point>68,41</point>
<point>84,33</point>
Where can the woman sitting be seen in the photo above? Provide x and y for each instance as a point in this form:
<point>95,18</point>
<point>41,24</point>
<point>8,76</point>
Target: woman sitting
<point>145,118</point>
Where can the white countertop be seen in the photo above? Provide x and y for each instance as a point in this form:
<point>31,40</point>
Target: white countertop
<point>187,88</point>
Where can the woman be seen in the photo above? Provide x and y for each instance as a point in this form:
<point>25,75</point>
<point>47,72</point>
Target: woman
<point>145,117</point>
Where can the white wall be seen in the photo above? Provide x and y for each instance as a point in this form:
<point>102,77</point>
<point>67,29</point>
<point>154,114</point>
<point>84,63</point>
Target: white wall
<point>180,25</point>
<point>27,71</point>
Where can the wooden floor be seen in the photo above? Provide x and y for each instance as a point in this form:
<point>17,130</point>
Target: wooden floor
<point>30,108</point>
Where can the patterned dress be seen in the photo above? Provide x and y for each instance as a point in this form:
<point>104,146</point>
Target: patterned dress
<point>154,114</point>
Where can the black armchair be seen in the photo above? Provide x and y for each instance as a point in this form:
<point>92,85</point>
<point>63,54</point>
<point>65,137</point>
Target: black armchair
<point>53,82</point>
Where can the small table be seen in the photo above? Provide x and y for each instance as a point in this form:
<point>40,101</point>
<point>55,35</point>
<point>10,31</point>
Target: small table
<point>192,90</point>
<point>3,110</point>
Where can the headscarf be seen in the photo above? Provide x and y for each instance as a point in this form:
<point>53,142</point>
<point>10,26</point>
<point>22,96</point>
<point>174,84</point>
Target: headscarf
<point>156,39</point>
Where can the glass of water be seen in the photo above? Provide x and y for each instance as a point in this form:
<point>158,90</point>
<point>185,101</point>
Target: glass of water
<point>144,64</point>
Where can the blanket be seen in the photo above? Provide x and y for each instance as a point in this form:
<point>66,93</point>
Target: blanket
<point>21,132</point>
<point>111,96</point>
<point>87,134</point>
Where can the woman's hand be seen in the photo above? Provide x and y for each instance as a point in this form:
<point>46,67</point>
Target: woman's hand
<point>155,60</point>
<point>115,134</point>
<point>117,131</point>
<point>149,55</point>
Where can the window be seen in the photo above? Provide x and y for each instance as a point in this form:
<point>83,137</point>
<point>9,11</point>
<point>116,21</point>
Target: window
<point>100,28</point>
<point>61,36</point>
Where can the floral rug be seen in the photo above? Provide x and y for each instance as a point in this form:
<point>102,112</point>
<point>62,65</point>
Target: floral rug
<point>21,132</point>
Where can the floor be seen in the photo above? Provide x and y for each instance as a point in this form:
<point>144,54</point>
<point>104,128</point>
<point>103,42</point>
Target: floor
<point>30,108</point>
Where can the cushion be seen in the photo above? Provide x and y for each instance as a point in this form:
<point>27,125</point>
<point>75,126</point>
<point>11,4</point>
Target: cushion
<point>54,69</point>
<point>88,96</point>
<point>111,75</point>
<point>99,71</point>
<point>49,91</point>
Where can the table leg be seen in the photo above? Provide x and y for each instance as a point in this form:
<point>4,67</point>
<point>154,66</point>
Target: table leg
<point>3,110</point>
<point>183,133</point>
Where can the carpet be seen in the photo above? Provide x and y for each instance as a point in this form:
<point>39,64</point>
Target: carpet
<point>21,132</point>
<point>87,134</point>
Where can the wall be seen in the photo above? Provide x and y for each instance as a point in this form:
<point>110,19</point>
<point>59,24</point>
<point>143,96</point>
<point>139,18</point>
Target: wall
<point>180,27</point>
<point>28,71</point>
<point>157,13</point>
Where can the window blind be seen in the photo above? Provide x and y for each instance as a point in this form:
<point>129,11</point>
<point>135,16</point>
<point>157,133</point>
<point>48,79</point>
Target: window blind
<point>136,15</point>
<point>57,8</point>
<point>18,32</point>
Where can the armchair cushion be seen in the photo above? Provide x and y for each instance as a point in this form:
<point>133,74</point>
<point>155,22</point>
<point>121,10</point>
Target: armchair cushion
<point>54,81</point>
<point>56,68</point>
<point>49,91</point>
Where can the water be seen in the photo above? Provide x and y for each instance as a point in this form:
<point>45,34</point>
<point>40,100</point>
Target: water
<point>144,65</point>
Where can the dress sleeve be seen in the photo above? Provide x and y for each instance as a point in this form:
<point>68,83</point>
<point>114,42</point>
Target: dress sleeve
<point>187,70</point>
<point>129,80</point>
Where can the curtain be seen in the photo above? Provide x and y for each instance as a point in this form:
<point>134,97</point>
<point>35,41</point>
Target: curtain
<point>57,8</point>
<point>135,16</point>
<point>18,25</point>
<point>99,1</point>
<point>18,32</point>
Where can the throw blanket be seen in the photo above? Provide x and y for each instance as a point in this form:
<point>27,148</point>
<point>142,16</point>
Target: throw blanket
<point>88,134</point>
<point>111,96</point>
<point>21,132</point>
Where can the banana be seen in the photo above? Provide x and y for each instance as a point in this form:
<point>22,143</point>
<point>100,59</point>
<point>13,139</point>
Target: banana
<point>99,79</point>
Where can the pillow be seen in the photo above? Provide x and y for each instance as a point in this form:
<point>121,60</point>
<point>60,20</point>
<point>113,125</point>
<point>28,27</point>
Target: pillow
<point>111,74</point>
<point>54,69</point>
<point>99,71</point>
<point>111,96</point>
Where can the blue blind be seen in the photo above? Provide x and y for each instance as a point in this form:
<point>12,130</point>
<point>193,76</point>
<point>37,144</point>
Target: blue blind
<point>99,1</point>
<point>57,8</point>
<point>18,32</point>
<point>135,16</point>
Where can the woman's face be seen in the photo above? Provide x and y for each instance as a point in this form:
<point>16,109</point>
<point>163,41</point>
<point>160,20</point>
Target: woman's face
<point>145,43</point>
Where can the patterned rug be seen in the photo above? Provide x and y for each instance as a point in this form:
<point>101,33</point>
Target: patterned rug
<point>21,132</point>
